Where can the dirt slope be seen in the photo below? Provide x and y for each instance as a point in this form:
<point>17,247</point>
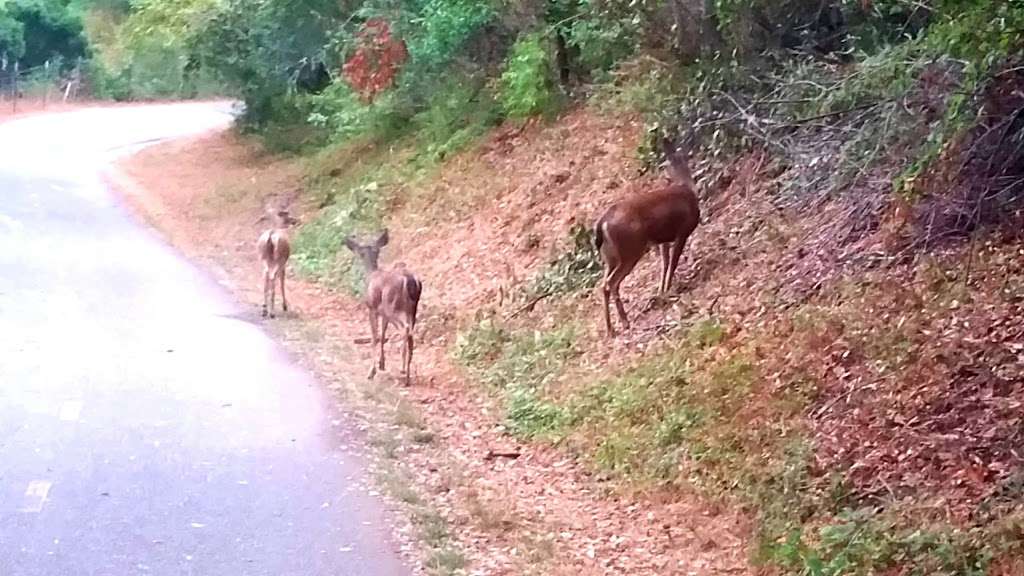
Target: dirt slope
<point>538,512</point>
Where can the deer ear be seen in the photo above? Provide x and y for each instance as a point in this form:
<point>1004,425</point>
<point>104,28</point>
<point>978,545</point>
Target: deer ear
<point>384,239</point>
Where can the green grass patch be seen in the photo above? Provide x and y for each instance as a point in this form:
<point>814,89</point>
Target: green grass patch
<point>519,366</point>
<point>671,418</point>
<point>864,542</point>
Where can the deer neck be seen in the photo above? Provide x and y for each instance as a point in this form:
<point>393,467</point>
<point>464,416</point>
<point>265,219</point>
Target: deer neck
<point>681,175</point>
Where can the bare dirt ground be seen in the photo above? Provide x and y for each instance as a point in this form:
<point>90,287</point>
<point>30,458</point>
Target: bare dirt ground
<point>535,512</point>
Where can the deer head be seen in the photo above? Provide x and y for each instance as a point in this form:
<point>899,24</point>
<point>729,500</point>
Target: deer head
<point>280,218</point>
<point>369,254</point>
<point>678,161</point>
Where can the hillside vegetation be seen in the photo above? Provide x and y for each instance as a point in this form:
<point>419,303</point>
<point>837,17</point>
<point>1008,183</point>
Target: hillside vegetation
<point>843,362</point>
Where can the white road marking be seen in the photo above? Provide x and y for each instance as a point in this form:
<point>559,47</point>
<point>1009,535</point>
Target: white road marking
<point>35,496</point>
<point>71,411</point>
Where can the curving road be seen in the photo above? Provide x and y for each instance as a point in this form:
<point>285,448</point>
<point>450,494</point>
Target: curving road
<point>145,428</point>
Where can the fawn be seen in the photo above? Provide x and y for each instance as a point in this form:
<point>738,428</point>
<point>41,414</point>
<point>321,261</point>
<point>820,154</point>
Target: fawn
<point>274,249</point>
<point>392,296</point>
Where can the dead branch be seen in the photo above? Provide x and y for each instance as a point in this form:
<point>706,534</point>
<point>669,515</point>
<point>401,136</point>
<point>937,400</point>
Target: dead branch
<point>528,307</point>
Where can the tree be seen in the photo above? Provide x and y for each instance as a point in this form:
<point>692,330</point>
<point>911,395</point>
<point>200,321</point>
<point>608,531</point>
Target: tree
<point>12,35</point>
<point>49,29</point>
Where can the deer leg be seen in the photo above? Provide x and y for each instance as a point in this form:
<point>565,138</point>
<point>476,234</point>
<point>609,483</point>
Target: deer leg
<point>407,356</point>
<point>383,339</point>
<point>677,251</point>
<point>266,289</point>
<point>664,249</point>
<point>284,300</point>
<point>380,359</point>
<point>612,286</point>
<point>272,279</point>
<point>374,329</point>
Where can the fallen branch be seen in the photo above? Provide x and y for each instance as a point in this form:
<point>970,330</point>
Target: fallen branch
<point>528,307</point>
<point>495,454</point>
<point>824,115</point>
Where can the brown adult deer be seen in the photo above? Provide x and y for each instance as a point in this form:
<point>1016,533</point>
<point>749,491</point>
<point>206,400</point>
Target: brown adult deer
<point>392,297</point>
<point>664,217</point>
<point>274,249</point>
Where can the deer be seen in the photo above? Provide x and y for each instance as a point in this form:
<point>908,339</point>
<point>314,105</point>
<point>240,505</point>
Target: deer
<point>392,297</point>
<point>664,217</point>
<point>274,249</point>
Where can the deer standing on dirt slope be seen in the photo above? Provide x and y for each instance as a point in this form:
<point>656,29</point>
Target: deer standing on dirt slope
<point>274,249</point>
<point>392,296</point>
<point>664,217</point>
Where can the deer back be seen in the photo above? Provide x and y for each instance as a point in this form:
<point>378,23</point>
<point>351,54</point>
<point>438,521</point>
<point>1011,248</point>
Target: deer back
<point>395,294</point>
<point>657,217</point>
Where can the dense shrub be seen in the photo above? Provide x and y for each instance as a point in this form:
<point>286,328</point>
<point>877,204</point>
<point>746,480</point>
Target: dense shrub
<point>526,84</point>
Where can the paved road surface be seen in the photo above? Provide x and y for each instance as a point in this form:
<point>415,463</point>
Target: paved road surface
<point>145,427</point>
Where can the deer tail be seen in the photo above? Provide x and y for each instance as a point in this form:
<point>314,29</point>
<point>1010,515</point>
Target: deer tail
<point>599,234</point>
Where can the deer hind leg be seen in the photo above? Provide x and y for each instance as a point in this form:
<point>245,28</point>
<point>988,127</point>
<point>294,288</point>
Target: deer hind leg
<point>664,250</point>
<point>407,355</point>
<point>284,299</point>
<point>611,288</point>
<point>266,289</point>
<point>374,328</point>
<point>677,251</point>
<point>379,364</point>
<point>383,339</point>
<point>272,279</point>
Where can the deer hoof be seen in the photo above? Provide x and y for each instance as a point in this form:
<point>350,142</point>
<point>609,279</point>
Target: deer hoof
<point>264,312</point>
<point>373,372</point>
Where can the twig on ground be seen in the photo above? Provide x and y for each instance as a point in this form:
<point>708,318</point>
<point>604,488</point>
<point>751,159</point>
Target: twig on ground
<point>528,307</point>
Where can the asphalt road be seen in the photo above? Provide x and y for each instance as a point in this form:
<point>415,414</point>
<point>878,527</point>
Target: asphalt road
<point>145,426</point>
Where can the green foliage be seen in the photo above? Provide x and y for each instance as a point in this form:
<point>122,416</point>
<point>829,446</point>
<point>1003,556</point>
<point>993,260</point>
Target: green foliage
<point>12,34</point>
<point>527,87</point>
<point>520,366</point>
<point>458,113</point>
<point>643,85</point>
<point>341,113</point>
<point>319,244</point>
<point>253,48</point>
<point>442,27</point>
<point>453,115</point>
<point>863,542</point>
<point>576,269</point>
<point>707,332</point>
<point>48,29</point>
<point>603,43</point>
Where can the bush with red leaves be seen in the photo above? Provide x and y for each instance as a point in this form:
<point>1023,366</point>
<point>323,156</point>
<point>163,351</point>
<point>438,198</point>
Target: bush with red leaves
<point>377,60</point>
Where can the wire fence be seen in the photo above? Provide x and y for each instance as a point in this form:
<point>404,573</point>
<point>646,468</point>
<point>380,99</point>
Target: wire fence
<point>49,82</point>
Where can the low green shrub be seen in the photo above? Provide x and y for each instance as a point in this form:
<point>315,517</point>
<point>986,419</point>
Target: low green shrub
<point>527,86</point>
